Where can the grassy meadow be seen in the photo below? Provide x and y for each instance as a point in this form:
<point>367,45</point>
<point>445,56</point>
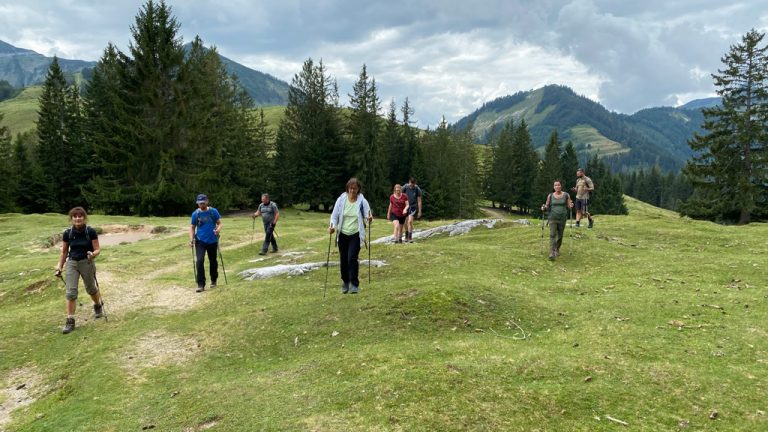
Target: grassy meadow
<point>647,322</point>
<point>20,112</point>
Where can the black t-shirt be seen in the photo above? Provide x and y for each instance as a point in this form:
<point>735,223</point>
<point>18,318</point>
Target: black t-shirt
<point>79,243</point>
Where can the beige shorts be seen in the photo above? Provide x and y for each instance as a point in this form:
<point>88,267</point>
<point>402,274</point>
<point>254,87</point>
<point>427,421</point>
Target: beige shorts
<point>74,271</point>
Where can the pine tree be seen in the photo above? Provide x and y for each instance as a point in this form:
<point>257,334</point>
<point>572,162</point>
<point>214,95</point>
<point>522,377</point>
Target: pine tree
<point>366,155</point>
<point>523,166</point>
<point>57,149</point>
<point>33,195</point>
<point>309,145</point>
<point>608,197</point>
<point>570,163</point>
<point>391,142</point>
<point>9,182</point>
<point>550,168</point>
<point>410,146</point>
<point>500,180</point>
<point>730,172</point>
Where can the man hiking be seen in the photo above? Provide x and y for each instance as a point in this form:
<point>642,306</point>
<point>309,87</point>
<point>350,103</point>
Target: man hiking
<point>269,216</point>
<point>583,188</point>
<point>414,206</point>
<point>204,237</point>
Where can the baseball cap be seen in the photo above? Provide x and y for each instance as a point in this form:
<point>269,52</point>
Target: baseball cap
<point>202,198</point>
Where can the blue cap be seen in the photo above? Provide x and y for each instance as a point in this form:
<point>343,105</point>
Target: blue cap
<point>202,198</point>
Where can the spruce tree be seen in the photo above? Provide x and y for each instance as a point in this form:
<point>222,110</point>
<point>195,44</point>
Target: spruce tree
<point>523,165</point>
<point>366,155</point>
<point>730,171</point>
<point>549,170</point>
<point>500,183</point>
<point>9,182</point>
<point>33,195</point>
<point>570,163</point>
<point>392,145</point>
<point>56,149</point>
<point>410,145</point>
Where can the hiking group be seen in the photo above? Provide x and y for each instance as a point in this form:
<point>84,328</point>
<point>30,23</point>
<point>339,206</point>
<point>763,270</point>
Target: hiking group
<point>559,204</point>
<point>351,212</point>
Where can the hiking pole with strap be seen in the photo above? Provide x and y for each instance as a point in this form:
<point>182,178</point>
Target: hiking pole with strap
<point>221,258</point>
<point>327,263</point>
<point>194,259</point>
<point>101,295</point>
<point>369,251</point>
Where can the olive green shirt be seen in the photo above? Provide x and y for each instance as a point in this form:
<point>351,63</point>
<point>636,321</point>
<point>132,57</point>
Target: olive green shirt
<point>558,208</point>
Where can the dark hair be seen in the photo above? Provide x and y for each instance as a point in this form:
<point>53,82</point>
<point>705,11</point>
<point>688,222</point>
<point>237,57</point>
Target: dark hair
<point>354,181</point>
<point>557,181</point>
<point>411,179</point>
<point>265,195</point>
<point>78,211</point>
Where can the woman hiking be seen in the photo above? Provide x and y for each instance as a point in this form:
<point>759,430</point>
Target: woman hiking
<point>397,212</point>
<point>558,203</point>
<point>348,217</point>
<point>79,248</point>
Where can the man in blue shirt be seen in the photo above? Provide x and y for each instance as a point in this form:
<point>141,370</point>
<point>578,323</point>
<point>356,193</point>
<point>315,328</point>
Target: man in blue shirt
<point>413,192</point>
<point>204,237</point>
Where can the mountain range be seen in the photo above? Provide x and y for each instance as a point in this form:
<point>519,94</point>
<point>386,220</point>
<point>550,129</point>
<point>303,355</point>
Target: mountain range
<point>653,136</point>
<point>648,137</point>
<point>23,68</point>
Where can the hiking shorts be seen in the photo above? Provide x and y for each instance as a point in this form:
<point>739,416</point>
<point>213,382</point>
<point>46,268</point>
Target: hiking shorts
<point>74,270</point>
<point>412,211</point>
<point>582,204</point>
<point>399,219</point>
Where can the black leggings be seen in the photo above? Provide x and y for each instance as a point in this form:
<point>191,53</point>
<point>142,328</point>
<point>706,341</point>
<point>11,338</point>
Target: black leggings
<point>349,250</point>
<point>200,250</point>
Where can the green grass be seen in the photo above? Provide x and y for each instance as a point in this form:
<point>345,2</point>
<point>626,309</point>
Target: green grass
<point>429,345</point>
<point>21,111</point>
<point>598,142</point>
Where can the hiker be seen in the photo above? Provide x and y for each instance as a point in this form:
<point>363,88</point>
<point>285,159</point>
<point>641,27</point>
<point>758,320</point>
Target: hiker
<point>204,237</point>
<point>397,212</point>
<point>79,247</point>
<point>348,216</point>
<point>583,188</point>
<point>558,203</point>
<point>414,204</point>
<point>269,216</point>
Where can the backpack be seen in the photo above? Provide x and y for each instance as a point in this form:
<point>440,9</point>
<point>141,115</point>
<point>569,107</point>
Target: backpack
<point>68,232</point>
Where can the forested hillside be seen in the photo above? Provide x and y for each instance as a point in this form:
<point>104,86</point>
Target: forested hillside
<point>656,136</point>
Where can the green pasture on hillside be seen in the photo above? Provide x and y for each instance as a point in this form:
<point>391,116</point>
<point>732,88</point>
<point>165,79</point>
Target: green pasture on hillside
<point>20,112</point>
<point>650,319</point>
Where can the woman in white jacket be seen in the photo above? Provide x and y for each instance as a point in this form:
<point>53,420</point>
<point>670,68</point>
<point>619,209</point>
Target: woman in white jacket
<point>348,217</point>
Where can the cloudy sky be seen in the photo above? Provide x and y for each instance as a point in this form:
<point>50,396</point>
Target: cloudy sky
<point>447,57</point>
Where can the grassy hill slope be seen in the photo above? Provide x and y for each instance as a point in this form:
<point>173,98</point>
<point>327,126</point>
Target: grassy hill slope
<point>650,319</point>
<point>20,112</point>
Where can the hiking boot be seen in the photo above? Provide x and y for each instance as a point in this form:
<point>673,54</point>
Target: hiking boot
<point>274,250</point>
<point>577,224</point>
<point>213,284</point>
<point>98,310</point>
<point>200,289</point>
<point>68,326</point>
<point>353,289</point>
<point>262,253</point>
<point>344,288</point>
<point>557,253</point>
<point>590,224</point>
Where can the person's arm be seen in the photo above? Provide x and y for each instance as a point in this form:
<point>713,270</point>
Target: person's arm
<point>367,209</point>
<point>192,235</point>
<point>570,201</point>
<point>217,230</point>
<point>389,210</point>
<point>334,221</point>
<point>96,250</point>
<point>545,206</point>
<point>590,185</point>
<point>418,201</point>
<point>277,216</point>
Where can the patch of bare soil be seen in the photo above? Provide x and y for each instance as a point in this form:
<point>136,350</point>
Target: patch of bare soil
<point>20,388</point>
<point>156,349</point>
<point>204,425</point>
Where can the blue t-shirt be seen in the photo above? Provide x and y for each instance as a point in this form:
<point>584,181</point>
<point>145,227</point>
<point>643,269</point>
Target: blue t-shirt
<point>206,223</point>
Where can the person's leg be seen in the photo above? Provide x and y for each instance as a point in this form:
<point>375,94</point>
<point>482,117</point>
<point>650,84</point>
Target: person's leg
<point>589,216</point>
<point>71,278</point>
<point>353,252</point>
<point>213,261</point>
<point>552,239</point>
<point>344,261</point>
<point>272,237</point>
<point>560,233</point>
<point>88,272</point>
<point>200,263</point>
<point>578,211</point>
<point>396,230</point>
<point>265,244</point>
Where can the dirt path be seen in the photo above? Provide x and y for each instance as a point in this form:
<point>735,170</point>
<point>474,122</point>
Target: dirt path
<point>494,212</point>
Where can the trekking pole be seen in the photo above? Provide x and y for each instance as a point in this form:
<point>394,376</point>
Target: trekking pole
<point>101,295</point>
<point>542,232</point>
<point>369,251</point>
<point>221,258</point>
<point>327,263</point>
<point>194,260</point>
<point>570,232</point>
